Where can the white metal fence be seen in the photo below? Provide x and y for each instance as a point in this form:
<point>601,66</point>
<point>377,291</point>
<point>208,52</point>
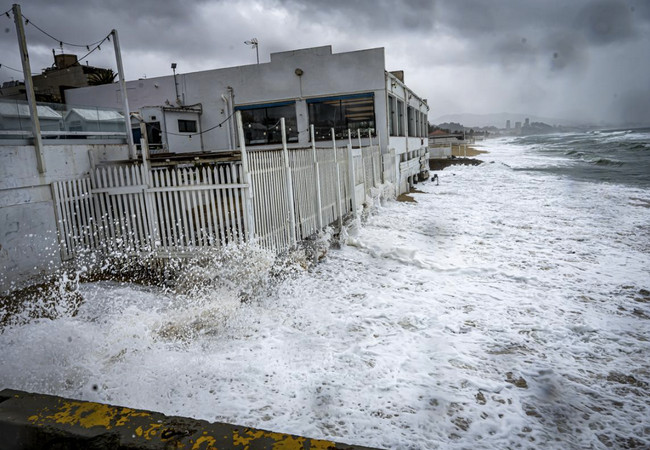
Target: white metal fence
<point>134,209</point>
<point>277,196</point>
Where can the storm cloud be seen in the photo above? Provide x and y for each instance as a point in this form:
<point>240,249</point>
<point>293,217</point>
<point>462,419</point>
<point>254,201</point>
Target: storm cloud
<point>574,59</point>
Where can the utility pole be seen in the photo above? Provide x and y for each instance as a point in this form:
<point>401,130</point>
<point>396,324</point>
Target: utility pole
<point>125,101</point>
<point>29,88</point>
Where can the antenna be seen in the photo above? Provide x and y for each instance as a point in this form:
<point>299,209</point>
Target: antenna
<point>254,44</point>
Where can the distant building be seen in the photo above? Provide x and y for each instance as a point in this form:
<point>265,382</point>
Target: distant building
<point>440,137</point>
<point>517,125</point>
<point>13,90</point>
<point>65,73</point>
<point>527,122</point>
<point>507,124</point>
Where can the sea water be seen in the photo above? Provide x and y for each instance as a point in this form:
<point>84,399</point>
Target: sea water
<point>508,308</point>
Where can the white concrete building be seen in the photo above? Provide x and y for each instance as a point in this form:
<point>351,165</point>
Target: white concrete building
<point>183,126</point>
<point>309,86</point>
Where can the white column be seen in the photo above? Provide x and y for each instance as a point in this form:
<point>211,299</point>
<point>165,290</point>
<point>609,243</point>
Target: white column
<point>289,183</point>
<point>125,102</point>
<point>29,88</point>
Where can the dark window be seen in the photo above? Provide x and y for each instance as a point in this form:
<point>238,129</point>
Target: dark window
<point>354,112</point>
<point>425,125</point>
<point>392,126</point>
<point>186,126</point>
<point>411,120</point>
<point>400,118</point>
<point>154,136</point>
<point>262,123</point>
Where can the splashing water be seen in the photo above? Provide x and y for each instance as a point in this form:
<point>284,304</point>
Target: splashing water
<point>505,309</point>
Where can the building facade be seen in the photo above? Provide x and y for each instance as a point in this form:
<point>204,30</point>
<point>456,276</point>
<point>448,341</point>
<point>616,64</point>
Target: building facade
<point>349,90</point>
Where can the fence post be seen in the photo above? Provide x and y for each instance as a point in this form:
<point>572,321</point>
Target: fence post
<point>351,177</point>
<point>381,157</point>
<point>148,196</point>
<point>248,196</point>
<point>289,183</point>
<point>372,159</point>
<point>339,201</point>
<point>319,207</point>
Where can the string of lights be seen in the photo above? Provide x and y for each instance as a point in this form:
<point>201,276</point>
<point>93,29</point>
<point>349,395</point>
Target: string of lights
<point>60,41</point>
<point>97,47</point>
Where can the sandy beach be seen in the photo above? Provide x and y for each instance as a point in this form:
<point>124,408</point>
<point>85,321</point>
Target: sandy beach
<point>465,150</point>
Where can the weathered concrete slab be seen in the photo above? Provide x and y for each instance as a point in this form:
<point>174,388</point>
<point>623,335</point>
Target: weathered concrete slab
<point>36,421</point>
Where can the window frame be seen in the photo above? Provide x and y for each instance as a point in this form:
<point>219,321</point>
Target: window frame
<point>341,119</point>
<point>400,116</point>
<point>184,128</point>
<point>272,133</point>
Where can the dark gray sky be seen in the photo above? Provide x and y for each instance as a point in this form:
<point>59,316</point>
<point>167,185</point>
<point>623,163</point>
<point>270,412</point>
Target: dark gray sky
<point>585,59</point>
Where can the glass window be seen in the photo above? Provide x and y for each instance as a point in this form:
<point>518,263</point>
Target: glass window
<point>392,116</point>
<point>186,126</point>
<point>411,120</point>
<point>425,125</point>
<point>354,112</point>
<point>154,136</point>
<point>400,118</point>
<point>262,123</point>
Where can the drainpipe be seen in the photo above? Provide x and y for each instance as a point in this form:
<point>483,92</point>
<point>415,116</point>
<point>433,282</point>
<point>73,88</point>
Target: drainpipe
<point>227,111</point>
<point>231,123</point>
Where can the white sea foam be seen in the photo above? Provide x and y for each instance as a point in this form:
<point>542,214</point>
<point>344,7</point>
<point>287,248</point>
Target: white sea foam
<point>504,309</point>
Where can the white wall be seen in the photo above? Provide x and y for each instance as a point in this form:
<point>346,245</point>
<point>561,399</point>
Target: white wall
<point>28,233</point>
<point>324,73</point>
<point>397,89</point>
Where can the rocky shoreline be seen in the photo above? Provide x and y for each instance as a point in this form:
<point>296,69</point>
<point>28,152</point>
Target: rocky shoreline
<point>440,164</point>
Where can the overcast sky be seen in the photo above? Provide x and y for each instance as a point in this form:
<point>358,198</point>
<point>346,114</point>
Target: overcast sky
<point>587,59</point>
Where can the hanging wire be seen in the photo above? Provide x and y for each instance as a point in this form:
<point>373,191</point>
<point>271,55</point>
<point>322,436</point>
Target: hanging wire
<point>10,68</point>
<point>60,41</point>
<point>15,70</point>
<point>190,134</point>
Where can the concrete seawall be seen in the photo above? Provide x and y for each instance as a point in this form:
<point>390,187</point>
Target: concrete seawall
<point>37,421</point>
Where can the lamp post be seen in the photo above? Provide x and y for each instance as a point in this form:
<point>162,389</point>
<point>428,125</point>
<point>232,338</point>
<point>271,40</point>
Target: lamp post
<point>175,83</point>
<point>254,44</point>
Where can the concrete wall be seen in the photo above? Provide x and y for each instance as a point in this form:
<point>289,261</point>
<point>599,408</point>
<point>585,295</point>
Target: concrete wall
<point>323,73</point>
<point>28,233</point>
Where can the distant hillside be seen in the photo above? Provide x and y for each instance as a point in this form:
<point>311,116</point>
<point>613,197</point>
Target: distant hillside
<point>497,119</point>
